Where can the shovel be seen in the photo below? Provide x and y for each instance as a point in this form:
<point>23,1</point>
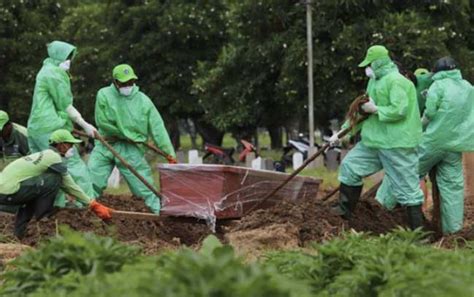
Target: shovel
<point>340,135</point>
<point>148,145</point>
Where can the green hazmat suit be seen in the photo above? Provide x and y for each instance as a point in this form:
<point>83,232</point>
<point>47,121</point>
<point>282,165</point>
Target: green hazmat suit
<point>424,82</point>
<point>389,137</point>
<point>450,131</point>
<point>126,121</point>
<point>52,95</point>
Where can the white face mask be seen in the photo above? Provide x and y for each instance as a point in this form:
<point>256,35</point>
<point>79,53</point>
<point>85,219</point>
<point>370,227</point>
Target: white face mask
<point>369,72</point>
<point>66,65</point>
<point>126,91</point>
<point>69,153</point>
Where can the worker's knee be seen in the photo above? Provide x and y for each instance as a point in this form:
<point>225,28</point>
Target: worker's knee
<point>348,176</point>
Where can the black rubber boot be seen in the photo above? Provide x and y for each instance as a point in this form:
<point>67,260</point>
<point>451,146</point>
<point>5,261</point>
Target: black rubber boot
<point>415,216</point>
<point>348,198</point>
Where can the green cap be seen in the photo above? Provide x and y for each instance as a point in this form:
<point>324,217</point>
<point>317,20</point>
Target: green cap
<point>374,52</point>
<point>3,119</point>
<point>123,73</point>
<point>63,136</point>
<point>421,71</point>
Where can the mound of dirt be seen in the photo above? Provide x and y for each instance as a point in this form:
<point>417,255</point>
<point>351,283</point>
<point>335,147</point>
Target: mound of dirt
<point>9,251</point>
<point>152,236</point>
<point>286,225</point>
<point>252,243</point>
<point>314,222</point>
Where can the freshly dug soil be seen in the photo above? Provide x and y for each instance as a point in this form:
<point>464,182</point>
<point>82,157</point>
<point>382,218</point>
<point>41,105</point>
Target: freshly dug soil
<point>286,225</point>
<point>314,222</point>
<point>152,236</point>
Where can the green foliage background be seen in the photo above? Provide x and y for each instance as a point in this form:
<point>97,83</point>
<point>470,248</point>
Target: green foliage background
<point>228,65</point>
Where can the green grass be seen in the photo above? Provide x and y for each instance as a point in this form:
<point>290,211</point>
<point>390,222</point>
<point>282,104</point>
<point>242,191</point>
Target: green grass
<point>329,177</point>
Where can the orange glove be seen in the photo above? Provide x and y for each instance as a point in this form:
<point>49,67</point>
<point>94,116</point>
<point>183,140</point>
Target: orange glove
<point>100,210</point>
<point>171,160</point>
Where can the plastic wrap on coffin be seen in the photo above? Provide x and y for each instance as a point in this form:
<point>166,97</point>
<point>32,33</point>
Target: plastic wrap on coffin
<point>224,192</point>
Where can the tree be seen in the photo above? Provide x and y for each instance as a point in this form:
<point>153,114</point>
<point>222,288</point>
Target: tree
<point>25,29</point>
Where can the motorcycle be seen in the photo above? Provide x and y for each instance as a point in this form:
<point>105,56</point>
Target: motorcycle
<point>301,145</point>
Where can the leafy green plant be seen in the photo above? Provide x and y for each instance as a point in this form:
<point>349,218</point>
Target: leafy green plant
<point>66,258</point>
<point>396,264</point>
<point>212,271</point>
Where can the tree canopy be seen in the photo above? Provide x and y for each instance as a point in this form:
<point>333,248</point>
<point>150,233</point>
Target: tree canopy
<point>230,66</point>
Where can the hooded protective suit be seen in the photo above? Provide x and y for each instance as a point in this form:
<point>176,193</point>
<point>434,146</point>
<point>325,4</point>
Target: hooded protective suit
<point>126,121</point>
<point>52,96</point>
<point>450,131</point>
<point>389,137</point>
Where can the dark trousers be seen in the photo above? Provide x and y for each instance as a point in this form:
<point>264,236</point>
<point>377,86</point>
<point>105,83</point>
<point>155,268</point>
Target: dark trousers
<point>35,197</point>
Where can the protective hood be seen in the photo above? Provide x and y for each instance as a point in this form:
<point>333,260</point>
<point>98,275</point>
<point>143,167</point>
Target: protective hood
<point>453,74</point>
<point>450,109</point>
<point>58,51</point>
<point>383,66</point>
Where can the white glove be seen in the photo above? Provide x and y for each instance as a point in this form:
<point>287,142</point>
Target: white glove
<point>334,140</point>
<point>76,117</point>
<point>89,129</point>
<point>369,107</point>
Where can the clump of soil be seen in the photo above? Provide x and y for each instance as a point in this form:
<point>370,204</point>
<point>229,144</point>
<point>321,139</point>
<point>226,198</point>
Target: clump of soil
<point>314,222</point>
<point>252,243</point>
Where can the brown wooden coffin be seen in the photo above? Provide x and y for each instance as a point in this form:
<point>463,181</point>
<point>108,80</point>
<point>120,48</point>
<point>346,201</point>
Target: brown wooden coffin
<point>222,192</point>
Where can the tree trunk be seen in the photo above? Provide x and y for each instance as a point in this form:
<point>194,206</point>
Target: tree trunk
<point>173,128</point>
<point>191,129</point>
<point>209,133</point>
<point>276,137</point>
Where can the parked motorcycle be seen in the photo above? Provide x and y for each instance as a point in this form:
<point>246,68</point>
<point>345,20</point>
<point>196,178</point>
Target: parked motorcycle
<point>301,144</point>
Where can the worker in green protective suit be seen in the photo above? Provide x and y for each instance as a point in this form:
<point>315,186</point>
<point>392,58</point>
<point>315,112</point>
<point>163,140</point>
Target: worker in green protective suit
<point>13,138</point>
<point>53,109</point>
<point>449,115</point>
<point>423,83</point>
<point>13,145</point>
<point>126,117</point>
<point>390,136</point>
<point>449,130</point>
<point>32,183</point>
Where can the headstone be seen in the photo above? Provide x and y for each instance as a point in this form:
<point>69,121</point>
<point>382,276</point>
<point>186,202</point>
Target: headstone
<point>257,164</point>
<point>319,161</point>
<point>249,159</point>
<point>114,178</point>
<point>344,153</point>
<point>181,157</point>
<point>332,160</point>
<point>193,157</point>
<point>297,160</point>
<point>269,164</point>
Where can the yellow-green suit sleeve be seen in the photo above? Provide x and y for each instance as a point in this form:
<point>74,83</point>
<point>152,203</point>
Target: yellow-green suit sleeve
<point>69,186</point>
